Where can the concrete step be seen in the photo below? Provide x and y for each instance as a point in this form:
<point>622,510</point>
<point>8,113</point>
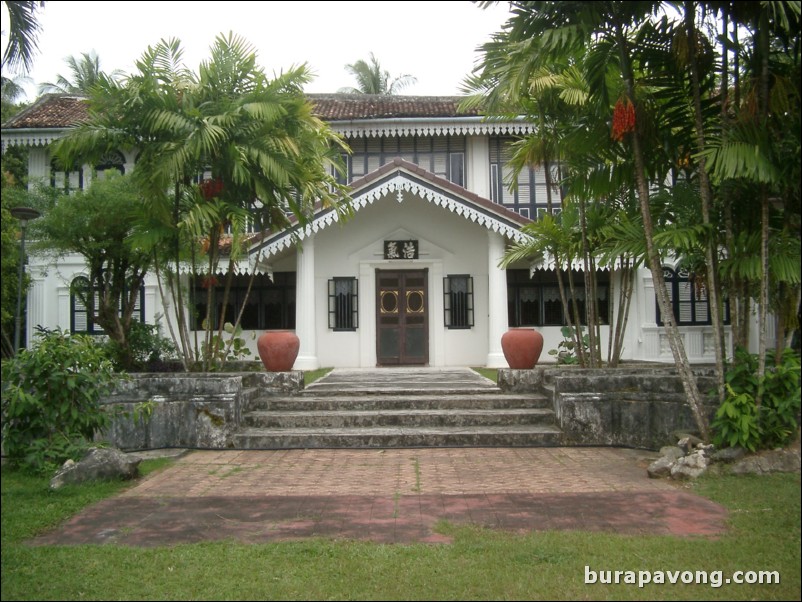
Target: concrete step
<point>398,408</point>
<point>387,401</point>
<point>338,419</point>
<point>410,388</point>
<point>488,436</point>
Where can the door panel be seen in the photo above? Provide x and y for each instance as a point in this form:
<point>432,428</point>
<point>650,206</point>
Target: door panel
<point>402,317</point>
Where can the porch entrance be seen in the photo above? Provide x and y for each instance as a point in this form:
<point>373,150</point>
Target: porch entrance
<point>402,318</point>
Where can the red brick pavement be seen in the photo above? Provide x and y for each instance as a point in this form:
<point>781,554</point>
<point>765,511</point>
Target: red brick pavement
<point>394,496</point>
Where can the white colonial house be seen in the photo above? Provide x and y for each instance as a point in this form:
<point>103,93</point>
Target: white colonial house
<point>413,277</point>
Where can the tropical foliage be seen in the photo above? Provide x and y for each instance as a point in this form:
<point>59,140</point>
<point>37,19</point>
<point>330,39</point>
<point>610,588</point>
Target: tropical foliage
<point>372,79</point>
<point>51,400</point>
<point>97,224</point>
<point>23,33</point>
<point>222,154</point>
<point>740,422</point>
<point>85,72</point>
<point>691,110</point>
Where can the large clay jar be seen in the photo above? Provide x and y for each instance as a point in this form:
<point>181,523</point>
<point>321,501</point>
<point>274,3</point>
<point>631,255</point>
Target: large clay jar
<point>278,349</point>
<point>522,347</point>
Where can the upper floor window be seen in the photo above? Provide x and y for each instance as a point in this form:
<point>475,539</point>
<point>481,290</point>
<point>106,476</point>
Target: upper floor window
<point>688,297</point>
<point>530,198</point>
<point>443,156</point>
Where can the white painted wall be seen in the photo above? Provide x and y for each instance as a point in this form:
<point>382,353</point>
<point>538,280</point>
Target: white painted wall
<point>449,244</point>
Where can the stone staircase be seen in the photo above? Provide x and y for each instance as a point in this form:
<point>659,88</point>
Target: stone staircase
<point>398,407</point>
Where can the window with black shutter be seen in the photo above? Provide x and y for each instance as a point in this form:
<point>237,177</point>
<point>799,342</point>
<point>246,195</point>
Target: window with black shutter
<point>343,306</point>
<point>458,301</point>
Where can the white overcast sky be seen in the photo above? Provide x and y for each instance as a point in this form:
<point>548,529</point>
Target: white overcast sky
<point>434,41</point>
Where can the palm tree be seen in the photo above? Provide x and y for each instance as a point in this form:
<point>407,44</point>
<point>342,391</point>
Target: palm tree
<point>265,152</point>
<point>604,34</point>
<point>23,31</point>
<point>372,79</point>
<point>85,72</point>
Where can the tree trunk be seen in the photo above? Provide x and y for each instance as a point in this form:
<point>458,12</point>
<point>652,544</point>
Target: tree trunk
<point>593,359</point>
<point>653,257</point>
<point>622,315</point>
<point>711,241</point>
<point>763,48</point>
<point>165,304</point>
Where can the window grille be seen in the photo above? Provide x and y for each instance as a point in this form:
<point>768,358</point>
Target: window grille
<point>458,301</point>
<point>343,304</point>
<point>83,319</point>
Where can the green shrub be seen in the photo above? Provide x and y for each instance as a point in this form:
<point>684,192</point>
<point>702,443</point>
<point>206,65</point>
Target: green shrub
<point>736,423</point>
<point>147,349</point>
<point>566,351</point>
<point>739,421</point>
<point>218,351</point>
<point>51,399</point>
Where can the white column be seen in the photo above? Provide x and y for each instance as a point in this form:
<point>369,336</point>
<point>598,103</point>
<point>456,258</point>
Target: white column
<point>36,314</point>
<point>477,165</point>
<point>305,324</point>
<point>496,302</point>
<point>367,315</point>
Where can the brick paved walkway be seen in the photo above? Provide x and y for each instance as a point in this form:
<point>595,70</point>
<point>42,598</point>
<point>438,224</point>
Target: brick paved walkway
<point>394,495</point>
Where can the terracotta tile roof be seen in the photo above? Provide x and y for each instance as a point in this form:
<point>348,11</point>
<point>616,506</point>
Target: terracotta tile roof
<point>346,107</point>
<point>60,111</point>
<point>50,111</point>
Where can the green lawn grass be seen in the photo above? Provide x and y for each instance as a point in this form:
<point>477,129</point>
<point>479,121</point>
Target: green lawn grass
<point>491,373</point>
<point>479,565</point>
<point>311,376</point>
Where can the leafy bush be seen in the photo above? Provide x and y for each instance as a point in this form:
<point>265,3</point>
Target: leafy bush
<point>51,399</point>
<point>739,421</point>
<point>147,348</point>
<point>566,351</point>
<point>219,351</point>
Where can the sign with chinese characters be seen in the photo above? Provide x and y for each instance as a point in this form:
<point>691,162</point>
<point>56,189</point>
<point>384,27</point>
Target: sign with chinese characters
<point>400,249</point>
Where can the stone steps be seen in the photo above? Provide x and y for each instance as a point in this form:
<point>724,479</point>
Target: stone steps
<point>396,418</point>
<point>398,408</point>
<point>375,437</point>
<point>405,401</point>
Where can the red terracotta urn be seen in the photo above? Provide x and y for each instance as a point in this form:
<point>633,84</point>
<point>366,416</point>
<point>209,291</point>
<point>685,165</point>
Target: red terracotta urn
<point>278,349</point>
<point>522,347</point>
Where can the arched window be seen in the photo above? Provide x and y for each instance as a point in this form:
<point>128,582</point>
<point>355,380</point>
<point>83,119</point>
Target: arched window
<point>111,160</point>
<point>688,297</point>
<point>84,304</point>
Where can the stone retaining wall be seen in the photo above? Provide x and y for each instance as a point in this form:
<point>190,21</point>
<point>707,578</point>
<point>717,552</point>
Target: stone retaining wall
<point>633,406</point>
<point>189,410</point>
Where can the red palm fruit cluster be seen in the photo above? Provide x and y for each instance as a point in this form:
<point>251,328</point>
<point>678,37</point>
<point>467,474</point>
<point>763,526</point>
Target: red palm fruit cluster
<point>623,119</point>
<point>211,188</point>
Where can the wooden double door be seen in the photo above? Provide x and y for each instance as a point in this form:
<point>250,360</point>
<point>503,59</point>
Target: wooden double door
<point>402,317</point>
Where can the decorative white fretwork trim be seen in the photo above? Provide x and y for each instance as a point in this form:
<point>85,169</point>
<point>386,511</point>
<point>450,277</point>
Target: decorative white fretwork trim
<point>452,127</point>
<point>32,137</point>
<point>398,185</point>
<point>352,129</point>
<point>548,263</point>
